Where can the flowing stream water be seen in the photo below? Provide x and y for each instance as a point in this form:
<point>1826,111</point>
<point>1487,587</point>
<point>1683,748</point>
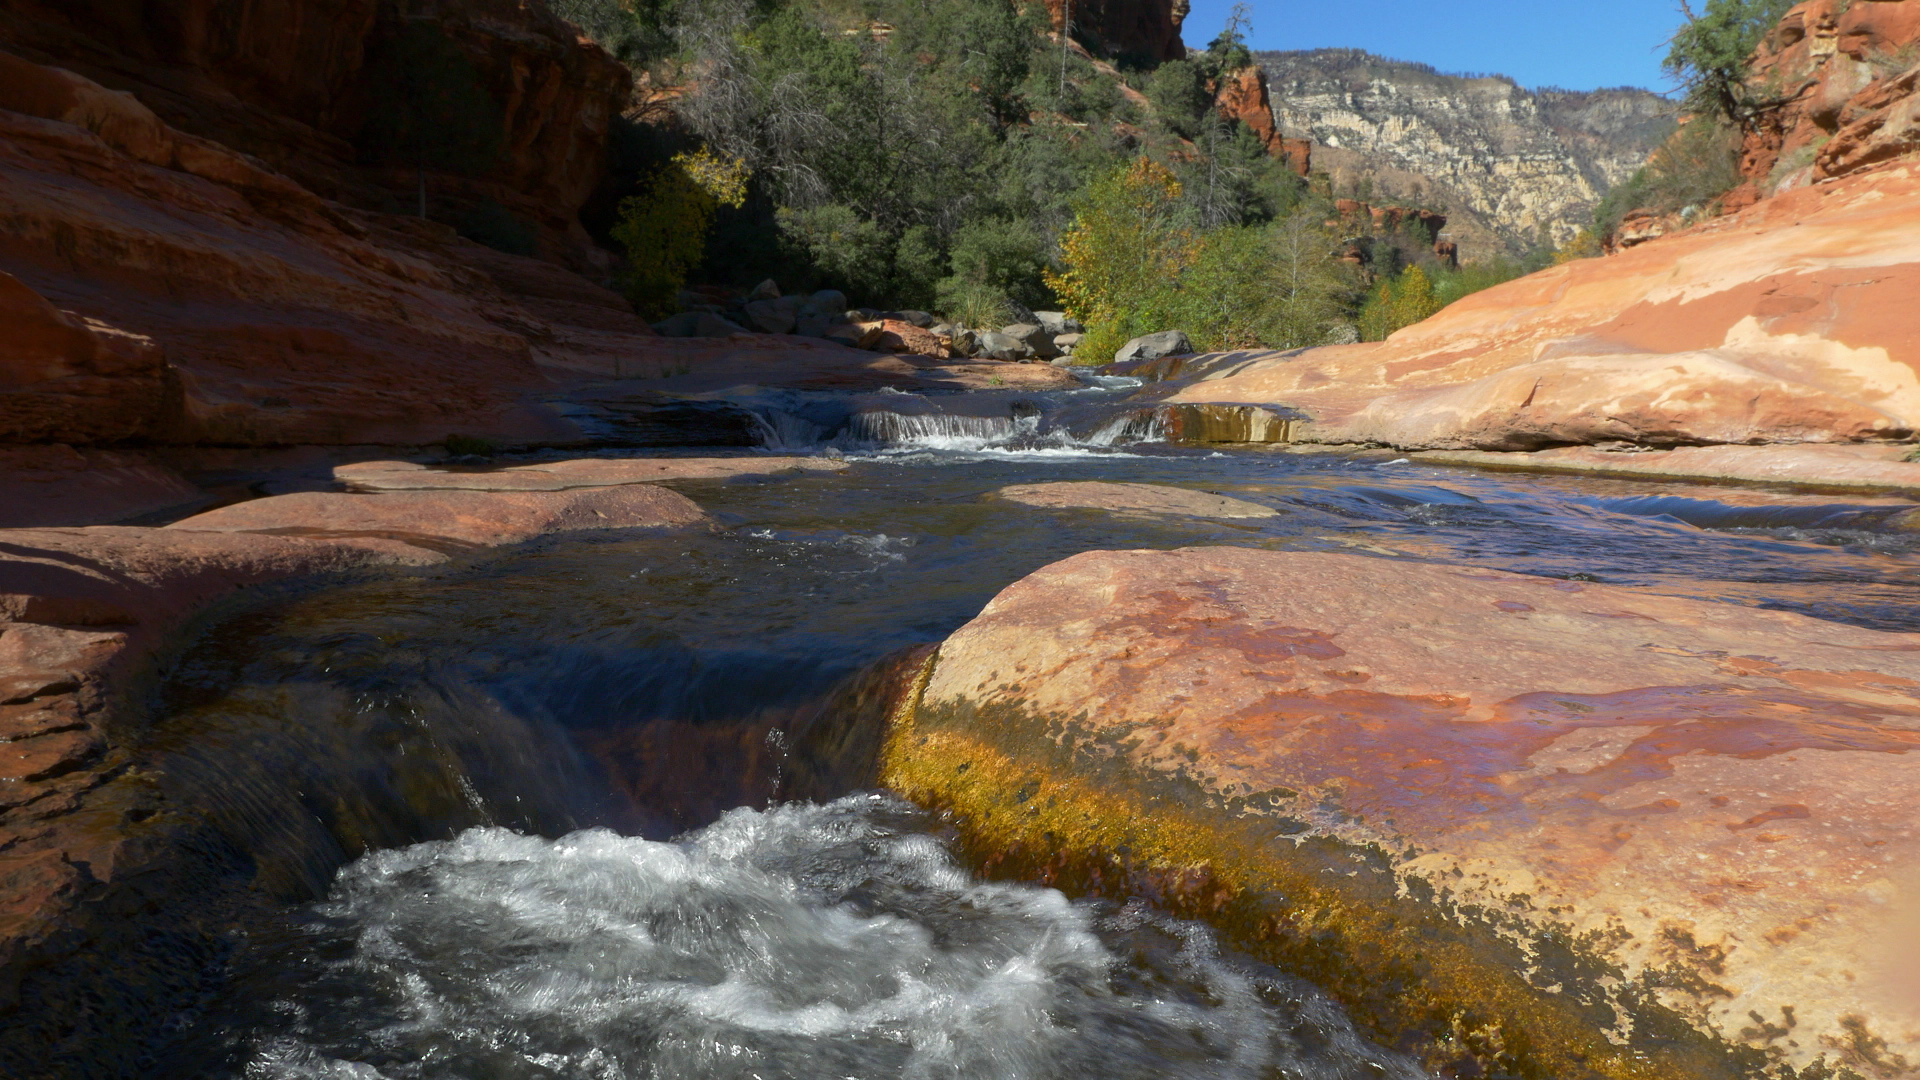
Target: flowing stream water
<point>560,778</point>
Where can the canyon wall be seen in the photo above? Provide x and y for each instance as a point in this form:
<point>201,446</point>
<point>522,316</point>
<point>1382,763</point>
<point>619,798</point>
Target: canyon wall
<point>1139,29</point>
<point>1504,163</point>
<point>1848,74</point>
<point>295,83</point>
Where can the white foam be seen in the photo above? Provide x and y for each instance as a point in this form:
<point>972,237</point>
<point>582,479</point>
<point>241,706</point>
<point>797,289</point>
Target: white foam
<point>813,942</point>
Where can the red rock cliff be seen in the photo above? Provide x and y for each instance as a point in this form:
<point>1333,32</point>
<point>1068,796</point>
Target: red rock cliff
<point>1146,28</point>
<point>1243,96</point>
<point>1850,70</point>
<point>287,81</point>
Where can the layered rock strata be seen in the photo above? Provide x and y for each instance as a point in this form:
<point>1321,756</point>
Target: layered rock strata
<point>1508,165</point>
<point>167,289</point>
<point>1846,78</point>
<point>293,83</point>
<point>1528,827</point>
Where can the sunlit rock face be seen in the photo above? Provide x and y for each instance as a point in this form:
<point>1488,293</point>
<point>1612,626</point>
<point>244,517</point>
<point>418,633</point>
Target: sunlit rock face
<point>1503,162</point>
<point>1791,321</point>
<point>1608,833</point>
<point>1849,76</point>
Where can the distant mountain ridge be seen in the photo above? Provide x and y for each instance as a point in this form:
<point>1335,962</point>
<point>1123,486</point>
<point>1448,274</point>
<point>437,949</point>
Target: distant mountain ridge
<point>1504,162</point>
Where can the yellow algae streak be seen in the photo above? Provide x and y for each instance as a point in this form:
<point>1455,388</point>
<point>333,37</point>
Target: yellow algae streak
<point>1408,971</point>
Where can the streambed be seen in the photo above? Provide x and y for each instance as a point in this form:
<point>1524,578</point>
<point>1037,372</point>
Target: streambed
<point>651,684</point>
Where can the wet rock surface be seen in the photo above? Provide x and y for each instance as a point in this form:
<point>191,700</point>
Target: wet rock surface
<point>1695,820</point>
<point>59,485</point>
<point>563,475</point>
<point>1841,467</point>
<point>1135,499</point>
<point>113,896</point>
<point>479,518</point>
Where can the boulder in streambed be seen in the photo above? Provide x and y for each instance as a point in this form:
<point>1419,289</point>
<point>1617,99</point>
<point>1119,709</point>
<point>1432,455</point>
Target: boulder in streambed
<point>1135,499</point>
<point>482,518</point>
<point>1526,826</point>
<point>1033,339</point>
<point>994,345</point>
<point>1057,323</point>
<point>1153,347</point>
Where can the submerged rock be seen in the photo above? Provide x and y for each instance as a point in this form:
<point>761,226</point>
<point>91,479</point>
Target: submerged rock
<point>368,476</point>
<point>484,518</point>
<point>1135,499</point>
<point>1611,833</point>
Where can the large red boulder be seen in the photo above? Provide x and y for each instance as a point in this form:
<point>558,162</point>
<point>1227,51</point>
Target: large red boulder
<point>1531,827</point>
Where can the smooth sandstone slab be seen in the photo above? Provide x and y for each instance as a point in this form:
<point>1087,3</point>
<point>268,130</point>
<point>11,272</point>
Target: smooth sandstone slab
<point>1791,321</point>
<point>564,475</point>
<point>1834,466</point>
<point>484,518</point>
<point>1617,834</point>
<point>1135,499</point>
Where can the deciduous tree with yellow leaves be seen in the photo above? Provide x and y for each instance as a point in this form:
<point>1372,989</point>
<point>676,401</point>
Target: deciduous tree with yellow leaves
<point>664,228</point>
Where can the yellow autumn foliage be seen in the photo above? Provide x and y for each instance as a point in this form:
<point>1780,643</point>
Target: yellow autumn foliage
<point>664,228</point>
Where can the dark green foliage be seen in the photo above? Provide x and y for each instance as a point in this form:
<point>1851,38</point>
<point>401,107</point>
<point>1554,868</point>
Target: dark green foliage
<point>432,113</point>
<point>994,260</point>
<point>636,32</point>
<point>1179,94</point>
<point>1228,53</point>
<point>927,153</point>
<point>1711,53</point>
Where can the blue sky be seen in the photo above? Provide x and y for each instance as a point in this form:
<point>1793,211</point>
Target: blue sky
<point>1577,44</point>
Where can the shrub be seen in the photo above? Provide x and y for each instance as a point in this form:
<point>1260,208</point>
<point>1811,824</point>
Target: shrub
<point>1584,245</point>
<point>1700,163</point>
<point>1132,264</point>
<point>664,228</point>
<point>1398,302</point>
<point>1179,95</point>
<point>636,32</point>
<point>993,261</point>
<point>1121,257</point>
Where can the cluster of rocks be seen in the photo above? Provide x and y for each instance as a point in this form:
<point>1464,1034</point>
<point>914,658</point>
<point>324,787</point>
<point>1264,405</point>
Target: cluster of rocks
<point>1041,335</point>
<point>1044,336</point>
<point>764,310</point>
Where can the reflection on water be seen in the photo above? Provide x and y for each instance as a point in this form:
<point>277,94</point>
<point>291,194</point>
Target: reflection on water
<point>649,681</point>
<point>805,942</point>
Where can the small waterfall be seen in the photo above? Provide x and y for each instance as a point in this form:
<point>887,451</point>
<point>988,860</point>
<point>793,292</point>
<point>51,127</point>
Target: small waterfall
<point>782,430</point>
<point>901,421</point>
<point>938,431</point>
<point>1132,427</point>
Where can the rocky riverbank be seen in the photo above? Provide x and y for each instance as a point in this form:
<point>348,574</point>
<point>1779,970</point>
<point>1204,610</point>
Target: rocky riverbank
<point>114,895</point>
